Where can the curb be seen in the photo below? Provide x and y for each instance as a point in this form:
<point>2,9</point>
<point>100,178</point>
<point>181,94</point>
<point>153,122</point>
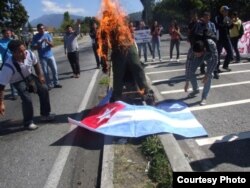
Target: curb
<point>176,157</point>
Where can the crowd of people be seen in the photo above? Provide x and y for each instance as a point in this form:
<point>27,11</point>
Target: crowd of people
<point>206,38</point>
<point>18,62</point>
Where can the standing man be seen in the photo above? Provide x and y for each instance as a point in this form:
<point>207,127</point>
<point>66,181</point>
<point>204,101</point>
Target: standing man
<point>5,53</point>
<point>210,27</point>
<point>93,36</point>
<point>235,35</point>
<point>201,50</point>
<point>142,46</point>
<point>223,23</point>
<point>17,70</point>
<point>71,48</point>
<point>42,42</point>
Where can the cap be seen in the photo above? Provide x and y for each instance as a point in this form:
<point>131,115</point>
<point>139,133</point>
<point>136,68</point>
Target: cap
<point>224,8</point>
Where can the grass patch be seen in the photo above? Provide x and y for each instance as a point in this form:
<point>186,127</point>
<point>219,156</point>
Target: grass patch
<point>159,171</point>
<point>104,81</point>
<point>57,41</point>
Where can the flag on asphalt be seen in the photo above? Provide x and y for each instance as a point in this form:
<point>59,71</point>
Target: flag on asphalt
<point>125,120</point>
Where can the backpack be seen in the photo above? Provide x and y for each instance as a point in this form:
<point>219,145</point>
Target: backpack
<point>241,30</point>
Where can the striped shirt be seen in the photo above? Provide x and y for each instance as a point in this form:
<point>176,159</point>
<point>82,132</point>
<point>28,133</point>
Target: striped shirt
<point>210,56</point>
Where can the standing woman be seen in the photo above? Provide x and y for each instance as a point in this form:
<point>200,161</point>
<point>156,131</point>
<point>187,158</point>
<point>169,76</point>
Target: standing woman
<point>156,32</point>
<point>174,32</point>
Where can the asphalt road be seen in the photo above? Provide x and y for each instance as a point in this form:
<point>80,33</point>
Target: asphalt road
<point>225,117</point>
<point>57,154</point>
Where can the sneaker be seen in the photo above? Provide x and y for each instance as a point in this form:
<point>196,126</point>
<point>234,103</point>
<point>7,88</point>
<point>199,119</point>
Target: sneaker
<point>153,60</point>
<point>31,126</point>
<point>149,98</point>
<point>203,102</point>
<point>177,60</point>
<point>13,97</point>
<point>227,69</point>
<point>50,117</point>
<point>171,59</point>
<point>160,60</point>
<point>193,93</point>
<point>202,72</point>
<point>216,76</point>
<point>58,86</point>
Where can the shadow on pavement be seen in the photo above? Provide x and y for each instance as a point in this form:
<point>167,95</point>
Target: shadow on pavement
<point>235,153</point>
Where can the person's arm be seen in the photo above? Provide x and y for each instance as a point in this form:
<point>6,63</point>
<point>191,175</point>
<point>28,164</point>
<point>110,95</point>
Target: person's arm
<point>39,73</point>
<point>37,68</point>
<point>78,29</point>
<point>49,40</point>
<point>34,43</point>
<point>64,43</point>
<point>2,106</point>
<point>212,62</point>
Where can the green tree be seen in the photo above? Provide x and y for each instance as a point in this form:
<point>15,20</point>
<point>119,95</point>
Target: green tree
<point>29,26</point>
<point>66,21</point>
<point>12,14</point>
<point>86,24</point>
<point>147,14</point>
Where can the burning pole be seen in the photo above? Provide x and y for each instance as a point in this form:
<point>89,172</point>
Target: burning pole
<point>113,30</point>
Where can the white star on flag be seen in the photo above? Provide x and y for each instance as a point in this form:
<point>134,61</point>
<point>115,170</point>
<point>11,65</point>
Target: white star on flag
<point>105,115</point>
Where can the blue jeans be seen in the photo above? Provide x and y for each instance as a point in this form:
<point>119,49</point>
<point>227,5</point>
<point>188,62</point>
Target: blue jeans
<point>143,46</point>
<point>156,44</point>
<point>176,43</point>
<point>194,82</point>
<point>46,63</point>
<point>13,91</point>
<point>27,106</point>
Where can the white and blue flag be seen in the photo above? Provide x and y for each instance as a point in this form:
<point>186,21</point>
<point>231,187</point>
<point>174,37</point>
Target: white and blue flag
<point>125,120</point>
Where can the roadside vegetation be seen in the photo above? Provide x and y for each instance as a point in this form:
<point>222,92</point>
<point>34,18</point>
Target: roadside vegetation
<point>159,171</point>
<point>104,81</point>
<point>141,162</point>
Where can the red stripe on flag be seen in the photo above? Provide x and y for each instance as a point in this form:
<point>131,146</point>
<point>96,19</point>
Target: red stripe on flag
<point>101,115</point>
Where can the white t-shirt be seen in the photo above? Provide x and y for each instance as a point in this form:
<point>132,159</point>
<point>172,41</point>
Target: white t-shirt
<point>9,74</point>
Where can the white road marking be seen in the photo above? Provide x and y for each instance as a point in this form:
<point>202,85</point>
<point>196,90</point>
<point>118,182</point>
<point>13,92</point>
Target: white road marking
<point>219,105</point>
<point>164,61</point>
<point>200,88</point>
<point>221,139</point>
<point>57,169</point>
<point>168,71</point>
<point>183,77</point>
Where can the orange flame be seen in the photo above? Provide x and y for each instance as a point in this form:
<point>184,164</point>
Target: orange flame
<point>113,31</point>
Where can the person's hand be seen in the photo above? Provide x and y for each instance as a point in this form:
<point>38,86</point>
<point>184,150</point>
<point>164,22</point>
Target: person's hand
<point>2,108</point>
<point>204,79</point>
<point>42,79</point>
<point>186,86</point>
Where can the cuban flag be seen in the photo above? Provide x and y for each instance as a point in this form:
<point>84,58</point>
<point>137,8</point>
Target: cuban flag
<point>125,120</point>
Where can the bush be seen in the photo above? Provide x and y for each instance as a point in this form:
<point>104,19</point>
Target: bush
<point>159,170</point>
